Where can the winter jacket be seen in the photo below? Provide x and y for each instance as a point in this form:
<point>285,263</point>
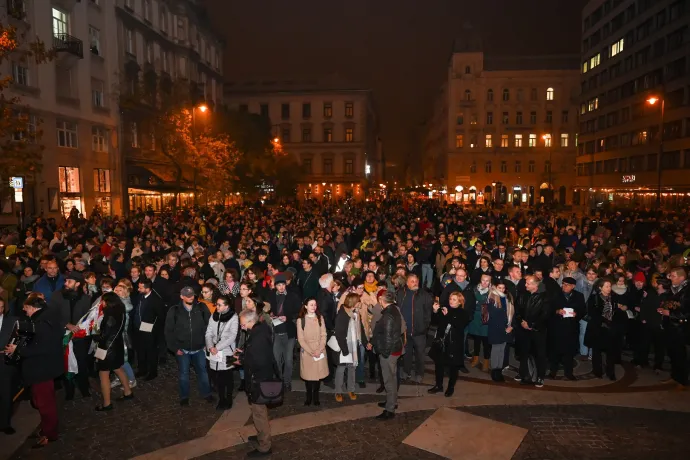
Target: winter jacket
<point>421,310</point>
<point>111,337</point>
<point>532,308</point>
<point>45,287</point>
<point>258,356</point>
<point>42,359</point>
<point>186,330</point>
<point>451,329</point>
<point>221,333</point>
<point>71,311</point>
<point>312,339</point>
<point>387,337</point>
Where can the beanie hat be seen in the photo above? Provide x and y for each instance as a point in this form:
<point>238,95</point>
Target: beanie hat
<point>639,276</point>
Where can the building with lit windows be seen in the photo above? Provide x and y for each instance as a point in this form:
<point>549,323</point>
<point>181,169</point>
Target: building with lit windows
<point>329,127</point>
<point>504,129</point>
<point>635,76</point>
<point>70,101</point>
<point>163,41</point>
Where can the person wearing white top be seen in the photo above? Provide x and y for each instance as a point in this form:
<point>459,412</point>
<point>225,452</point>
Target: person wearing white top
<point>221,339</point>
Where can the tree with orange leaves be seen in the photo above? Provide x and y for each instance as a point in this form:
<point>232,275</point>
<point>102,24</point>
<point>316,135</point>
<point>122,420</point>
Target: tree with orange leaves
<point>20,151</point>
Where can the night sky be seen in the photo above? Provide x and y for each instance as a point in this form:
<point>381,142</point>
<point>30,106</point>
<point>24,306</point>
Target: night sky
<point>398,48</point>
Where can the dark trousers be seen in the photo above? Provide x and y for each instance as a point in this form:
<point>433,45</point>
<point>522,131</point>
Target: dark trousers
<point>162,348</point>
<point>566,359</point>
<point>679,357</point>
<point>415,349</point>
<point>651,337</point>
<point>532,343</point>
<point>7,387</point>
<point>43,399</point>
<point>84,365</point>
<point>484,343</point>
<point>224,382</point>
<point>440,368</point>
<point>613,355</point>
<point>147,353</point>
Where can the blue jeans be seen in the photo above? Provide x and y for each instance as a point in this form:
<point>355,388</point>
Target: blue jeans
<point>427,275</point>
<point>198,360</point>
<point>283,353</point>
<point>584,351</point>
<point>129,371</point>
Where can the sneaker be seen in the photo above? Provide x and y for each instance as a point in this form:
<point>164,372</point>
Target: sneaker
<point>132,383</point>
<point>540,383</point>
<point>527,382</point>
<point>353,396</point>
<point>115,383</point>
<point>507,368</point>
<point>338,397</point>
<point>517,378</point>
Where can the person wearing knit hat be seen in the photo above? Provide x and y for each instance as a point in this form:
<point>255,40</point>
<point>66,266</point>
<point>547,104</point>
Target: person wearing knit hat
<point>639,277</point>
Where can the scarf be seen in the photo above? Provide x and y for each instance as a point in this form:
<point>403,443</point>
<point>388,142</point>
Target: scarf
<point>607,313</point>
<point>482,290</point>
<point>462,285</point>
<point>620,290</point>
<point>371,287</point>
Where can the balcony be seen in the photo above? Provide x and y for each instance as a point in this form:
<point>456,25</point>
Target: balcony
<point>66,5</point>
<point>68,49</point>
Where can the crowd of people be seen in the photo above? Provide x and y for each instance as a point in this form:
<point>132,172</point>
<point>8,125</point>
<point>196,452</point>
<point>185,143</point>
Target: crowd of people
<point>359,293</point>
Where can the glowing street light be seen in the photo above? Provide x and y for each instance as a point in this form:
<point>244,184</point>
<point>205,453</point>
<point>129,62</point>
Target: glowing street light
<point>653,100</point>
<point>203,108</point>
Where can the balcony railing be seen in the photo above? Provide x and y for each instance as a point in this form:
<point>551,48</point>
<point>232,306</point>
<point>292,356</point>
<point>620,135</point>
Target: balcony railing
<point>69,44</point>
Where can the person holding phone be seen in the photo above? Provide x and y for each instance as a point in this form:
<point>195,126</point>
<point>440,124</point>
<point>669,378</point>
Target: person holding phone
<point>449,342</point>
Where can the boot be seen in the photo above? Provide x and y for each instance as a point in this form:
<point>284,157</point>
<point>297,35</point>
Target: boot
<point>485,365</point>
<point>241,387</point>
<point>69,390</point>
<point>315,387</point>
<point>309,393</point>
<point>475,361</point>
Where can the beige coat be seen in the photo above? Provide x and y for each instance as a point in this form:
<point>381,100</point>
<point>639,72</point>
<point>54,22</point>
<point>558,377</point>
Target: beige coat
<point>312,339</point>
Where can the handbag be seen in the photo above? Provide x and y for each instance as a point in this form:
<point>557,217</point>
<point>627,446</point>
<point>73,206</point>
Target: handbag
<point>436,350</point>
<point>269,391</point>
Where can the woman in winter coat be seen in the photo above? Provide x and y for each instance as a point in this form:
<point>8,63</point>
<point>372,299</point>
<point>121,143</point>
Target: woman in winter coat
<point>605,328</point>
<point>110,351</point>
<point>123,290</point>
<point>451,333</point>
<point>501,310</point>
<point>350,335</point>
<point>311,335</point>
<point>23,288</point>
<point>477,330</point>
<point>221,337</point>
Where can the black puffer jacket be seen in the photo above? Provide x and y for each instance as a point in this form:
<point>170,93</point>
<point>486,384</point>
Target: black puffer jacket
<point>532,308</point>
<point>186,330</point>
<point>42,359</point>
<point>387,337</point>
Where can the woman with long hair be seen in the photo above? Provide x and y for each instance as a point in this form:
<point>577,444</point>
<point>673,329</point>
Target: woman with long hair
<point>124,290</point>
<point>349,334</point>
<point>110,351</point>
<point>230,285</point>
<point>501,308</point>
<point>449,344</point>
<point>221,337</point>
<point>311,335</point>
<point>605,329</point>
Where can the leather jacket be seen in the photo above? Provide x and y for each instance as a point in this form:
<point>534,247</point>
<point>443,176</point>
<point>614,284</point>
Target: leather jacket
<point>387,337</point>
<point>532,308</point>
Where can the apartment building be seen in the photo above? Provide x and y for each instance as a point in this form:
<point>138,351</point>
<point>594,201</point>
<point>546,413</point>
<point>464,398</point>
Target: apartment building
<point>70,101</point>
<point>635,79</point>
<point>503,130</point>
<point>330,128</point>
<point>163,41</point>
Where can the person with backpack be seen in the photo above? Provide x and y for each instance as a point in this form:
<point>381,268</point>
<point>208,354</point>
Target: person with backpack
<point>311,336</point>
<point>185,335</point>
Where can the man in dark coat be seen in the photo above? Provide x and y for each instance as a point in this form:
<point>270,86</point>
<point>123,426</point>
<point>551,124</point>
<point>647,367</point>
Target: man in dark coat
<point>387,342</point>
<point>42,363</point>
<point>678,313</point>
<point>257,360</point>
<point>564,327</point>
<point>285,306</point>
<point>147,322</point>
<point>416,308</point>
<point>531,316</point>
<point>72,304</point>
<point>8,372</point>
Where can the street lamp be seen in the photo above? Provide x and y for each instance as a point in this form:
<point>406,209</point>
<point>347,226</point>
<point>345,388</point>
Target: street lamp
<point>201,108</point>
<point>547,137</point>
<point>652,101</point>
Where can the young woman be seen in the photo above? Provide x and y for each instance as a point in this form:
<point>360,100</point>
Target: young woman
<point>450,342</point>
<point>349,334</point>
<point>605,329</point>
<point>123,290</point>
<point>209,296</point>
<point>311,335</point>
<point>230,285</point>
<point>111,344</point>
<point>501,310</point>
<point>221,337</point>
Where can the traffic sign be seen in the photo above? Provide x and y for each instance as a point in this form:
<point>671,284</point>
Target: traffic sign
<point>17,182</point>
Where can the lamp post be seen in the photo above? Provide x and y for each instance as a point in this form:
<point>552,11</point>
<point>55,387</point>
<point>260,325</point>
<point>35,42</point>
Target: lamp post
<point>652,101</point>
<point>201,108</point>
<point>547,143</point>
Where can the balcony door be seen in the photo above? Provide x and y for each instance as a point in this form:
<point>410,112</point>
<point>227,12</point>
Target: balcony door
<point>60,22</point>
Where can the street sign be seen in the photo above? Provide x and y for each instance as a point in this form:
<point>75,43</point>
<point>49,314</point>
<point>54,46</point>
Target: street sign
<point>18,195</point>
<point>17,182</point>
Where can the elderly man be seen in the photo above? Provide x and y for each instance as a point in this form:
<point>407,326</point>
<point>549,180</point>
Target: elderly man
<point>387,342</point>
<point>51,281</point>
<point>568,306</point>
<point>416,307</point>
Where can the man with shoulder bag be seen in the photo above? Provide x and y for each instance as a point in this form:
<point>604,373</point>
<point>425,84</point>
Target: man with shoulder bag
<point>259,368</point>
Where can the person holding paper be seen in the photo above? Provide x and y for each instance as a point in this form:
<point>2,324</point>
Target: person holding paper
<point>564,328</point>
<point>221,336</point>
<point>311,335</point>
<point>146,329</point>
<point>285,306</point>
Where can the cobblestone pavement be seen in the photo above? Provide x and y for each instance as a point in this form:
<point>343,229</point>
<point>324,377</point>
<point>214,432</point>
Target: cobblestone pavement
<point>594,432</point>
<point>154,419</point>
<point>360,439</point>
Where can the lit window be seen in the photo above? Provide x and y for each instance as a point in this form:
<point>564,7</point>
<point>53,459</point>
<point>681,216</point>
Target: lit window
<point>518,140</point>
<point>532,140</point>
<point>60,23</point>
<point>549,94</point>
<point>504,140</point>
<point>617,47</point>
<point>101,180</point>
<point>98,139</point>
<point>488,142</point>
<point>595,61</point>
<point>349,135</point>
<point>564,140</point>
<point>68,177</point>
<point>349,109</point>
<point>593,104</point>
<point>67,134</point>
<point>328,135</point>
<point>547,140</point>
<point>585,67</point>
<point>458,141</point>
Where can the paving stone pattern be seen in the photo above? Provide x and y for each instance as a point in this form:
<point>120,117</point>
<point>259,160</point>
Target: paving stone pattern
<point>594,432</point>
<point>152,421</point>
<point>360,439</point>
